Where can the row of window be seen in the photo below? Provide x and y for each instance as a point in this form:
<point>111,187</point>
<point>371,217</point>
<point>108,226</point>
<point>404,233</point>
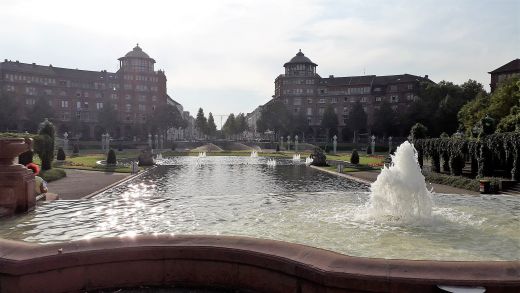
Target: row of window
<point>298,81</point>
<point>346,110</point>
<point>140,77</point>
<point>334,100</point>
<point>31,79</point>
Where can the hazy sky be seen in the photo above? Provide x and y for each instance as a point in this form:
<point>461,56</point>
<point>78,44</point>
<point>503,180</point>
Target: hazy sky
<point>224,55</point>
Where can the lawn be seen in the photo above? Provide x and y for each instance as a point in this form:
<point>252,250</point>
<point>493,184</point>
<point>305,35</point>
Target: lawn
<point>363,159</point>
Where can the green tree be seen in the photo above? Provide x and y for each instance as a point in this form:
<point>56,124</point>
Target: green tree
<point>39,111</point>
<point>330,122</point>
<point>211,126</point>
<point>201,122</point>
<point>357,119</point>
<point>384,120</point>
<point>107,117</point>
<point>418,131</point>
<point>240,123</point>
<point>164,118</point>
<point>275,116</point>
<point>300,124</point>
<point>229,128</point>
<point>44,144</point>
<point>473,111</point>
<point>8,112</point>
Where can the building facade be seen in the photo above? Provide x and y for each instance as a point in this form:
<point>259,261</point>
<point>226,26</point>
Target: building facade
<point>504,72</point>
<point>303,90</point>
<point>77,97</point>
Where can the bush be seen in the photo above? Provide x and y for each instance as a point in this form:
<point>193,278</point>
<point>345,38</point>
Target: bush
<point>354,158</point>
<point>174,146</point>
<point>61,155</point>
<point>44,144</point>
<point>277,148</point>
<point>111,157</point>
<point>369,150</point>
<point>418,131</point>
<point>75,149</point>
<point>455,181</point>
<point>53,174</point>
<point>318,158</point>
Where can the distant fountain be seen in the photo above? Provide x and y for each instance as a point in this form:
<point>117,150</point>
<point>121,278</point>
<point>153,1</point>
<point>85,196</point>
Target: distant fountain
<point>202,154</point>
<point>296,157</point>
<point>308,161</point>
<point>271,162</point>
<point>400,193</point>
<point>254,154</point>
<point>159,157</point>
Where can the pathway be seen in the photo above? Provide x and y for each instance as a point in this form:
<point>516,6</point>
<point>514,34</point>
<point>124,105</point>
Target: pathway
<point>80,183</point>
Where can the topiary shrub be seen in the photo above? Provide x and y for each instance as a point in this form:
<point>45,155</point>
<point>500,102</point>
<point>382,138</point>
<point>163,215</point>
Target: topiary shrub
<point>174,146</point>
<point>277,148</point>
<point>319,158</point>
<point>61,155</point>
<point>44,144</point>
<point>354,158</point>
<point>111,157</point>
<point>369,150</point>
<point>418,131</point>
<point>75,150</point>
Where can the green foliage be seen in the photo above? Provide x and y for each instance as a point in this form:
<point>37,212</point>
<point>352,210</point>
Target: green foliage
<point>166,117</point>
<point>444,135</point>
<point>275,116</point>
<point>319,158</point>
<point>40,111</point>
<point>111,157</point>
<point>75,149</point>
<point>455,181</point>
<point>240,123</point>
<point>44,144</point>
<point>488,125</point>
<point>511,122</point>
<point>61,155</point>
<point>211,128</point>
<point>330,121</point>
<point>473,111</point>
<point>418,131</point>
<point>107,117</point>
<point>229,128</point>
<point>354,158</point>
<point>201,122</point>
<point>385,120</point>
<point>53,174</point>
<point>357,118</point>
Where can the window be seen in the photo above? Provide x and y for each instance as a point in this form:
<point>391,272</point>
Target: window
<point>394,107</point>
<point>394,99</point>
<point>309,111</point>
<point>334,100</point>
<point>393,88</point>
<point>409,97</point>
<point>310,91</point>
<point>113,96</point>
<point>128,107</point>
<point>10,88</point>
<point>322,101</point>
<point>64,104</point>
<point>99,106</point>
<point>154,98</point>
<point>142,108</point>
<point>286,101</point>
<point>364,99</point>
<point>78,105</point>
<point>297,101</point>
<point>379,99</point>
<point>309,100</point>
<point>410,86</point>
<point>30,102</point>
<point>48,92</point>
<point>296,110</point>
<point>85,94</point>
<point>321,111</point>
<point>377,89</point>
<point>141,98</point>
<point>128,97</point>
<point>309,81</point>
<point>30,91</point>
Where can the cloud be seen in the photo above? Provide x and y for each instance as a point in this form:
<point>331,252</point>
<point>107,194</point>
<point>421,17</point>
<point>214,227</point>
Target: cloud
<point>224,55</point>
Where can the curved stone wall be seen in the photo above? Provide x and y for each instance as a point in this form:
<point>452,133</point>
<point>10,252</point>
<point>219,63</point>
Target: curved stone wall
<point>230,262</point>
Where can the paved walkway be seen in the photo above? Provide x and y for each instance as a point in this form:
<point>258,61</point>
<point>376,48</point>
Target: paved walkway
<point>80,183</point>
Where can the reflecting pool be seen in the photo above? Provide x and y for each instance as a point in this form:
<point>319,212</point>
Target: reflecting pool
<point>287,201</point>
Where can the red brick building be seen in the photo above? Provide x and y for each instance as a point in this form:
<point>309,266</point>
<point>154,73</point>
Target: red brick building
<point>136,90</point>
<point>302,89</point>
<point>504,72</point>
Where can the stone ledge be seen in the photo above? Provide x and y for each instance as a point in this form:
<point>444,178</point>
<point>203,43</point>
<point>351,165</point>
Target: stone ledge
<point>230,262</point>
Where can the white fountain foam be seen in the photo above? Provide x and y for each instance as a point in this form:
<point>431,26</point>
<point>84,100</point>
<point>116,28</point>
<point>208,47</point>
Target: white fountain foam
<point>254,154</point>
<point>399,194</point>
<point>296,157</point>
<point>308,161</point>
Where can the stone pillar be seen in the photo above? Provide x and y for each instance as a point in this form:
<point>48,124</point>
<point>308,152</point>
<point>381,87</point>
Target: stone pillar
<point>334,143</point>
<point>107,142</point>
<point>65,142</point>
<point>161,141</point>
<point>103,147</point>
<point>373,144</point>
<point>296,143</point>
<point>150,140</point>
<point>16,182</point>
<point>389,144</point>
<point>288,142</point>
<point>281,142</point>
<point>156,141</point>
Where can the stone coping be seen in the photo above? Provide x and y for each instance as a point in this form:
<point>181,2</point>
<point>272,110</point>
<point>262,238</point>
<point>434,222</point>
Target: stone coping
<point>231,262</point>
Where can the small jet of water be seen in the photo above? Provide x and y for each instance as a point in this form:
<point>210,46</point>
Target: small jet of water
<point>254,154</point>
<point>296,157</point>
<point>308,161</point>
<point>271,162</point>
<point>202,154</point>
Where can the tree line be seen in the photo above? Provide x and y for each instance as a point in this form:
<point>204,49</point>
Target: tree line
<point>234,125</point>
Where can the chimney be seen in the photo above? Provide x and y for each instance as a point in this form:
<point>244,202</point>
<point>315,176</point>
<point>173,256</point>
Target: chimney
<point>5,60</point>
<point>331,76</point>
<point>426,76</point>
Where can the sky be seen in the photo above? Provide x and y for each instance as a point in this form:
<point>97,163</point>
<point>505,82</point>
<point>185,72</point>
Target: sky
<point>224,55</point>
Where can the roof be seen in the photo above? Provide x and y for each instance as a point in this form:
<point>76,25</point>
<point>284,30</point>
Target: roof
<point>300,58</point>
<point>51,71</point>
<point>137,52</point>
<point>372,79</point>
<point>513,66</point>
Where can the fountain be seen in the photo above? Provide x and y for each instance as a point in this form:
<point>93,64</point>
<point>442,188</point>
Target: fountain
<point>159,156</point>
<point>400,193</point>
<point>296,157</point>
<point>254,154</point>
<point>308,161</point>
<point>271,162</point>
<point>202,154</point>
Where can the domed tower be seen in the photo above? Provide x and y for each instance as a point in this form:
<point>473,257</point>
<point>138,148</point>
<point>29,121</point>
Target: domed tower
<point>300,66</point>
<point>136,61</point>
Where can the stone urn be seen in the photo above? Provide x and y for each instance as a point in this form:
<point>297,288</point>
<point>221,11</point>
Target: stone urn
<point>16,182</point>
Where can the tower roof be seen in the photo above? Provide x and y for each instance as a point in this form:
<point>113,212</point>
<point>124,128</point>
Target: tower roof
<point>137,52</point>
<point>300,59</point>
